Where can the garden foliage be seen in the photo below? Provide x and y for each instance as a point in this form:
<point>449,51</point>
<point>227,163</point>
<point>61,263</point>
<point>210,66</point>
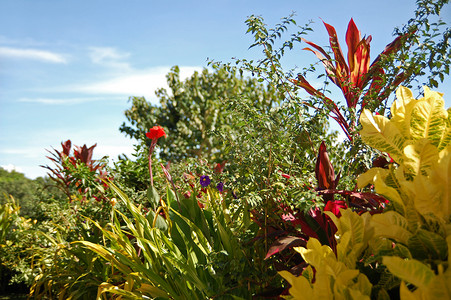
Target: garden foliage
<point>239,189</point>
<point>410,240</point>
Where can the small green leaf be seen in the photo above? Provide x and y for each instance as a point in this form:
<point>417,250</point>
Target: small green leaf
<point>153,197</point>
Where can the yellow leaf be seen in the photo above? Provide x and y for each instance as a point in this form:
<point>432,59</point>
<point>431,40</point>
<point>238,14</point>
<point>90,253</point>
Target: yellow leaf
<point>378,132</point>
<point>420,157</point>
<point>153,291</point>
<point>392,225</point>
<point>406,294</point>
<point>300,287</point>
<point>412,271</point>
<point>315,253</point>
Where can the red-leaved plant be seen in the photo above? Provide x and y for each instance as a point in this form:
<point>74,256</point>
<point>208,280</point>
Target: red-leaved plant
<point>352,77</point>
<point>78,172</point>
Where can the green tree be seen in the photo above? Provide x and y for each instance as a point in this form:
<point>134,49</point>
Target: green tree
<point>194,109</point>
<point>21,188</point>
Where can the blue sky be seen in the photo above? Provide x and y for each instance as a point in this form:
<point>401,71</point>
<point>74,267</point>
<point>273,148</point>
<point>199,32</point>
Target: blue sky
<point>68,68</point>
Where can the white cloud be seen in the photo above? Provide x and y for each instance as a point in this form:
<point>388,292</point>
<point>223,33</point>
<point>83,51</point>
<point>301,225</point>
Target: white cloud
<point>109,57</point>
<point>33,54</point>
<point>102,54</point>
<point>11,167</point>
<point>138,83</point>
<point>68,101</point>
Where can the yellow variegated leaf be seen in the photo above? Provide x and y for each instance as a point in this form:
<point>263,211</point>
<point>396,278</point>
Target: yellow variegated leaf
<point>406,294</point>
<point>315,253</point>
<point>412,271</point>
<point>323,287</point>
<point>441,177</point>
<point>419,157</point>
<point>401,110</point>
<point>428,198</point>
<point>391,225</point>
<point>378,132</point>
<point>300,286</point>
<point>440,287</point>
<point>446,135</point>
<point>332,267</point>
<point>385,185</point>
<point>378,244</point>
<point>346,277</point>
<point>390,193</point>
<point>349,221</point>
<point>354,234</point>
<point>363,285</point>
<point>346,286</point>
<point>426,243</point>
<point>308,273</point>
<point>358,295</point>
<point>428,118</point>
<point>370,176</point>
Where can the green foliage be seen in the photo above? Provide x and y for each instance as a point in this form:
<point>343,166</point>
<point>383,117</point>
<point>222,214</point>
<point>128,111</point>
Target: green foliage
<point>193,110</point>
<point>426,55</point>
<point>256,139</point>
<point>22,189</point>
<point>177,258</point>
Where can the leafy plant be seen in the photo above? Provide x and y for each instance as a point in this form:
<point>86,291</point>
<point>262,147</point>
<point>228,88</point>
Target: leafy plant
<point>333,274</point>
<point>353,77</point>
<point>192,110</point>
<point>171,258</point>
<point>409,241</point>
<point>78,175</point>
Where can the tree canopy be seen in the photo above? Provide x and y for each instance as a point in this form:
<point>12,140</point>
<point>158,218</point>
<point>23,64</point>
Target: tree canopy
<point>193,110</point>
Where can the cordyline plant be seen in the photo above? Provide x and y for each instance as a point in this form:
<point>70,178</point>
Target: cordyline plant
<point>78,172</point>
<point>352,77</point>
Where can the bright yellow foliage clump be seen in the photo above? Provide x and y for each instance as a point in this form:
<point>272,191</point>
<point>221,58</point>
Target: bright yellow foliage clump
<point>412,238</point>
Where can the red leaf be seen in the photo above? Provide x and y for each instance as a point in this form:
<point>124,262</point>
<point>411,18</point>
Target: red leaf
<point>321,50</point>
<point>352,40</point>
<point>393,46</point>
<point>283,243</point>
<point>324,170</point>
<point>66,147</point>
<point>334,207</point>
<point>342,68</point>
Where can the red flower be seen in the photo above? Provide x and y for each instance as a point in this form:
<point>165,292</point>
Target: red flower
<point>155,133</point>
<point>334,207</point>
<point>286,176</point>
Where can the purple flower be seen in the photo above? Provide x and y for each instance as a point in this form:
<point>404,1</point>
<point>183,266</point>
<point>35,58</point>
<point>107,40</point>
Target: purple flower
<point>204,180</point>
<point>220,187</point>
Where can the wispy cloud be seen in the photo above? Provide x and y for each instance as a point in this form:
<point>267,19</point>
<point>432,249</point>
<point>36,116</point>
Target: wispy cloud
<point>109,57</point>
<point>102,54</point>
<point>68,101</point>
<point>34,54</point>
<point>139,83</point>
